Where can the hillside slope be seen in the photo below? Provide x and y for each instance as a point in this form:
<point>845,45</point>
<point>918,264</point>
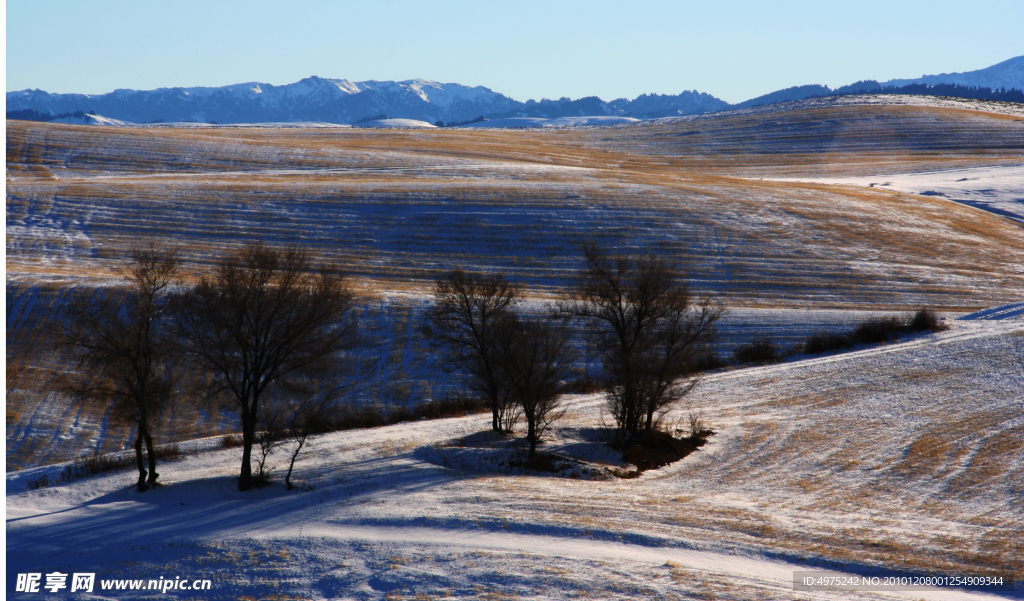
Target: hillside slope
<point>869,460</point>
<point>395,208</point>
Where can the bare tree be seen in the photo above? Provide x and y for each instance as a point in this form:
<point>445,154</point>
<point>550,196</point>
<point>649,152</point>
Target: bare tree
<point>123,349</point>
<point>262,318</point>
<point>270,434</point>
<point>645,326</point>
<point>300,408</point>
<point>533,357</point>
<point>292,415</point>
<point>307,417</point>
<point>466,306</point>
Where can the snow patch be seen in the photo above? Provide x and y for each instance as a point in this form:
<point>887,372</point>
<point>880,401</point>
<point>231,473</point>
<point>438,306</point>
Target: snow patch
<point>519,122</point>
<point>396,124</point>
<point>999,189</point>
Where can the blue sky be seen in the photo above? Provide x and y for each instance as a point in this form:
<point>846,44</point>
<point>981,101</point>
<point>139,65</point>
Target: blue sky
<point>732,49</point>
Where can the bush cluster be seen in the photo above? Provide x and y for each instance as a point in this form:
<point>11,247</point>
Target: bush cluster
<point>826,342</point>
<point>450,406</point>
<point>878,330</point>
<point>98,464</point>
<point>762,351</point>
<point>708,361</point>
<point>875,331</point>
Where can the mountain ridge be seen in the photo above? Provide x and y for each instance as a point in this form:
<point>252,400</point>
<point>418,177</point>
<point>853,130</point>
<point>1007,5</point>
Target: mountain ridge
<point>343,101</point>
<point>1007,74</point>
<point>331,100</point>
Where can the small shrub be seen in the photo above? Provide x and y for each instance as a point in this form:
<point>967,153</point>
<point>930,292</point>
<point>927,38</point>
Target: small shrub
<point>370,417</point>
<point>697,424</point>
<point>583,383</point>
<point>231,441</point>
<point>362,418</point>
<point>168,451</point>
<point>826,342</point>
<point>260,475</point>
<point>708,361</point>
<point>40,482</point>
<point>761,351</point>
<point>926,319</point>
<point>879,329</point>
<point>450,406</point>
<point>98,464</point>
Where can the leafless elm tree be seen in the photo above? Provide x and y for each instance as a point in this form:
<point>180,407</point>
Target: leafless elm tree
<point>123,349</point>
<point>263,318</point>
<point>646,327</point>
<point>461,322</point>
<point>534,357</point>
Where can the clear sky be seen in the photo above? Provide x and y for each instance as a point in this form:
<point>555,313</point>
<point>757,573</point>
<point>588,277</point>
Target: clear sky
<point>532,49</point>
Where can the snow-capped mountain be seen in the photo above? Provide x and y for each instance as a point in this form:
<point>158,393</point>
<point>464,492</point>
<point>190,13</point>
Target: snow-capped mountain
<point>326,100</point>
<point>311,99</point>
<point>1007,74</point>
<point>344,101</point>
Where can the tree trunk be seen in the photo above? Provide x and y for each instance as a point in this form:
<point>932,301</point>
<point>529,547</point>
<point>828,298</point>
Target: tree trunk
<point>300,440</point>
<point>248,437</point>
<point>495,418</point>
<point>152,459</point>
<point>531,433</point>
<point>138,460</point>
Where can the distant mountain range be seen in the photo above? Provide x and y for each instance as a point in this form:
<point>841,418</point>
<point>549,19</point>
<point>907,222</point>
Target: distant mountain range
<point>343,101</point>
<point>1007,74</point>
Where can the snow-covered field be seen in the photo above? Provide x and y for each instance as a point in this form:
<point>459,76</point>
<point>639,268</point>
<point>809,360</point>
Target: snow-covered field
<point>999,190</point>
<point>903,457</point>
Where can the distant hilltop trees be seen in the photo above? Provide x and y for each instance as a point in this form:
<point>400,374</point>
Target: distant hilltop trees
<point>953,90</point>
<point>380,117</point>
<point>873,87</point>
<point>31,115</point>
<point>479,119</point>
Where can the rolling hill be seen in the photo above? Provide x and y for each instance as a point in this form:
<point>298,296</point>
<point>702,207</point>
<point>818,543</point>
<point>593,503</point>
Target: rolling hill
<point>397,207</point>
<point>904,456</point>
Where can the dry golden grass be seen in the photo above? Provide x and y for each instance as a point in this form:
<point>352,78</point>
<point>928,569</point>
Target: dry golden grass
<point>994,458</point>
<point>939,450</point>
